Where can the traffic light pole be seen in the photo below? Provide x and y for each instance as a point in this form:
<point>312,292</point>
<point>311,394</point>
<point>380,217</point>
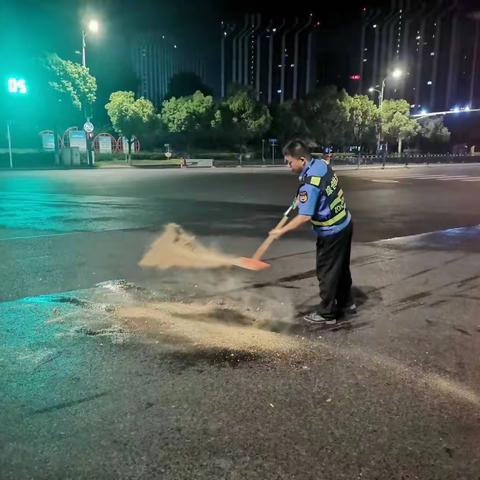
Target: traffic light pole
<point>9,138</point>
<point>15,86</point>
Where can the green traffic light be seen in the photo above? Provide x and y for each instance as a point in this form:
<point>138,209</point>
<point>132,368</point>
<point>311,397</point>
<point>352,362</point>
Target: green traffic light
<point>17,86</point>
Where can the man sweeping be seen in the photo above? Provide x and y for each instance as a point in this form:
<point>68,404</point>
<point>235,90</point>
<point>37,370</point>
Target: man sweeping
<point>321,202</point>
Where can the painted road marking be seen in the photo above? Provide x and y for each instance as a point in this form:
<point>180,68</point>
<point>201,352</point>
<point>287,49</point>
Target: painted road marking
<point>385,181</point>
<point>441,178</point>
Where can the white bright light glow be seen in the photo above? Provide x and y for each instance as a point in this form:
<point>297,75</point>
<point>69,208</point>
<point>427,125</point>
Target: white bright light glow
<point>93,26</point>
<point>423,111</point>
<point>397,73</point>
<point>17,85</point>
<point>371,89</point>
<point>455,109</point>
<point>375,26</point>
<point>467,108</point>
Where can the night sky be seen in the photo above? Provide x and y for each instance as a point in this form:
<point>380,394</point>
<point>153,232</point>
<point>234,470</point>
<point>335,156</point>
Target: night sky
<point>28,27</point>
<point>55,25</point>
<point>31,28</point>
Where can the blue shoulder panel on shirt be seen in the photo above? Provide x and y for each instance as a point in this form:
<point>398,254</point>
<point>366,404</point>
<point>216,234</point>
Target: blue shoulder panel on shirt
<point>318,168</point>
<point>307,199</point>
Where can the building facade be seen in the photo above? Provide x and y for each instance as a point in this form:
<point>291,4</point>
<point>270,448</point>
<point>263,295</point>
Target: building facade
<point>436,44</point>
<point>272,57</point>
<point>156,58</point>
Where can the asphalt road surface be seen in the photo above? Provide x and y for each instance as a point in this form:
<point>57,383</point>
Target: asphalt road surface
<point>64,230</point>
<point>390,394</point>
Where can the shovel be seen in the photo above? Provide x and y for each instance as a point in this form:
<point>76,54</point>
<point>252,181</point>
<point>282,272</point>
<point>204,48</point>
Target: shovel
<point>254,263</point>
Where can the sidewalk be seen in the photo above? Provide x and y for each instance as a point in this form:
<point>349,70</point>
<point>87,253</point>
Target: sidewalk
<point>169,164</point>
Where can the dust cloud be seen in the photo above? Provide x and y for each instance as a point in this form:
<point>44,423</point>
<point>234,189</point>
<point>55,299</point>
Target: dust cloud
<point>177,248</point>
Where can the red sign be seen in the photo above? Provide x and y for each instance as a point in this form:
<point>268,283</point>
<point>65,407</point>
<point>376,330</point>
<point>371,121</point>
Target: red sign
<point>355,77</point>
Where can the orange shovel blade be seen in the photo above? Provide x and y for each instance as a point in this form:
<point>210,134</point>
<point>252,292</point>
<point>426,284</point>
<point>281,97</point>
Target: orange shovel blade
<point>251,264</point>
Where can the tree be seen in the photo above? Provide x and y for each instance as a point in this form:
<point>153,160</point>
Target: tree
<point>242,118</point>
<point>362,115</point>
<point>73,81</point>
<point>397,125</point>
<point>185,84</point>
<point>288,121</point>
<point>188,117</point>
<point>130,117</point>
<point>434,133</point>
<point>326,116</point>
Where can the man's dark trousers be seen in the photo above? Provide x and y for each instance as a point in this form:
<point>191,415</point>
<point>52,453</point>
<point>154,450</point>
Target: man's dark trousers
<point>333,271</point>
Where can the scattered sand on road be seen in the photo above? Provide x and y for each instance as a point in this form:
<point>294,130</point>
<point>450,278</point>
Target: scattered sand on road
<point>205,325</point>
<point>223,314</point>
<point>177,248</point>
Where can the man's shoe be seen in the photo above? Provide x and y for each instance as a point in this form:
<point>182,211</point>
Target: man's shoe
<point>315,318</point>
<point>350,310</point>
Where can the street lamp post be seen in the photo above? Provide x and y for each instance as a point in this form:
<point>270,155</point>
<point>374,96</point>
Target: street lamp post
<point>84,48</point>
<point>93,26</point>
<point>397,73</point>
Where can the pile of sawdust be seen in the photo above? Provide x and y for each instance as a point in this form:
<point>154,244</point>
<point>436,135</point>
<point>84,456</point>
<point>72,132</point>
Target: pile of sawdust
<point>203,326</point>
<point>176,248</point>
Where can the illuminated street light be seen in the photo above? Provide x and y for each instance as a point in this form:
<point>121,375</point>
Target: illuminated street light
<point>452,111</point>
<point>93,26</point>
<point>397,73</point>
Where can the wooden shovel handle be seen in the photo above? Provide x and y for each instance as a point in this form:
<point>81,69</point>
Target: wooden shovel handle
<point>268,241</point>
